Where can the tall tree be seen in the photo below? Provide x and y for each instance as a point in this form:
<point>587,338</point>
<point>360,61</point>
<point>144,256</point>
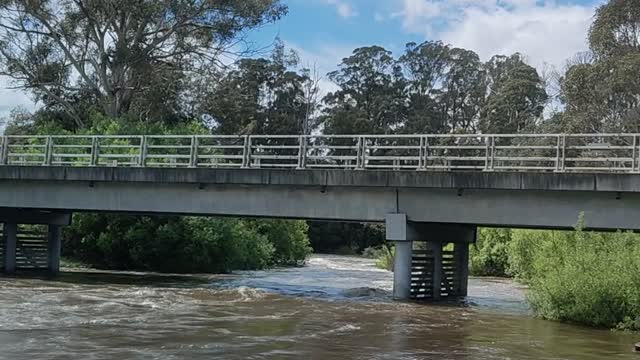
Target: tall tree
<point>616,29</point>
<point>262,96</point>
<point>463,91</point>
<point>516,98</point>
<point>604,95</point>
<point>119,51</point>
<point>425,66</point>
<point>371,94</point>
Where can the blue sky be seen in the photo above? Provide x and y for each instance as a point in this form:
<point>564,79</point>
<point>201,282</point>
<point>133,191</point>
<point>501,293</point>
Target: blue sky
<point>324,31</point>
<point>547,32</point>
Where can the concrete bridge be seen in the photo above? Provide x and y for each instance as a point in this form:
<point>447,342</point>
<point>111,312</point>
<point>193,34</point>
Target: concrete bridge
<point>431,188</point>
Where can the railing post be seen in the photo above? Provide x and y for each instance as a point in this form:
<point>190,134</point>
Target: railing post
<point>563,165</point>
<point>363,152</point>
<point>359,153</point>
<point>421,153</point>
<point>142,160</point>
<point>246,152</point>
<point>487,152</point>
<point>558,152</point>
<point>302,152</point>
<point>635,163</point>
<point>48,151</point>
<point>193,155</point>
<point>492,165</point>
<point>4,151</point>
<point>95,151</point>
<point>426,153</point>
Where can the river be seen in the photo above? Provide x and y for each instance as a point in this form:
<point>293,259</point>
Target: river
<point>334,308</point>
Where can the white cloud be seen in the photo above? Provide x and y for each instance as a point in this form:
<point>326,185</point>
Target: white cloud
<point>11,99</point>
<point>343,8</point>
<point>544,31</point>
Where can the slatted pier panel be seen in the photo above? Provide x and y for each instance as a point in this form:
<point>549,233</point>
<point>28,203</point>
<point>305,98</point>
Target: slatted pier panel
<point>422,275</point>
<point>32,251</point>
<point>31,248</point>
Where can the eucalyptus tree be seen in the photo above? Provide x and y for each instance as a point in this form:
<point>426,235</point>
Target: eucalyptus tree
<point>370,96</point>
<point>516,96</point>
<point>120,53</point>
<point>604,95</point>
<point>425,66</point>
<point>261,96</point>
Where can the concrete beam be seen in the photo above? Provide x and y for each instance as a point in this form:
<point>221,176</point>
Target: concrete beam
<point>53,247</point>
<point>301,195</point>
<point>34,217</point>
<point>626,183</point>
<point>10,235</point>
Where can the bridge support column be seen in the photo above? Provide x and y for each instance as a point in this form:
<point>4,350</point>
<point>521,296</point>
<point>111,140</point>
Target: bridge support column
<point>53,247</point>
<point>436,276</point>
<point>10,238</point>
<point>398,231</point>
<point>461,260</point>
<point>430,273</point>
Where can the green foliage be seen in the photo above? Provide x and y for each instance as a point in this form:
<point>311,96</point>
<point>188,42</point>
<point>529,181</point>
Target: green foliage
<point>185,245</point>
<point>145,66</point>
<point>385,257</point>
<point>582,277</point>
<point>517,96</point>
<point>289,239</point>
<point>490,255</point>
<point>600,91</point>
<point>260,96</point>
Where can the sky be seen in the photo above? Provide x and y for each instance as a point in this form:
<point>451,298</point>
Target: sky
<point>547,32</point>
<point>323,32</point>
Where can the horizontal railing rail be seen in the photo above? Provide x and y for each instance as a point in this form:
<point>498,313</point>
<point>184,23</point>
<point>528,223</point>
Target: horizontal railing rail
<point>618,153</point>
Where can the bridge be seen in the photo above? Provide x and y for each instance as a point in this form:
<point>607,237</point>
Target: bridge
<point>431,188</point>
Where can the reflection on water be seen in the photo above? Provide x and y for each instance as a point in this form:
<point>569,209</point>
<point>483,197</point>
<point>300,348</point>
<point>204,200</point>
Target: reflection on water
<point>334,308</point>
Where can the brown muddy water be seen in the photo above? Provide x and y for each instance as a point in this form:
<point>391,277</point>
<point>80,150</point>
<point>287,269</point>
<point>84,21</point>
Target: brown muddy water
<point>334,308</point>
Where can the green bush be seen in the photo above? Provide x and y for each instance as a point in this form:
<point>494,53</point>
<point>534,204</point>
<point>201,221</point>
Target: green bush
<point>184,245</point>
<point>580,277</point>
<point>384,256</point>
<point>490,255</point>
<point>289,239</point>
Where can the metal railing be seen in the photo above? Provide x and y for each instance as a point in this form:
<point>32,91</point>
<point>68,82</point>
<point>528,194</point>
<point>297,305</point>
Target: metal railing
<point>505,152</point>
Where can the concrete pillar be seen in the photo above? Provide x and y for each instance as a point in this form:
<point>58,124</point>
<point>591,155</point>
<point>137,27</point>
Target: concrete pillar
<point>461,251</point>
<point>402,270</point>
<point>398,232</point>
<point>53,245</point>
<point>10,235</point>
<point>436,251</point>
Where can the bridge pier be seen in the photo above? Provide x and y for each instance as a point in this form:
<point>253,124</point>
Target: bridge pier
<point>10,240</point>
<point>53,249</point>
<point>433,272</point>
<point>32,248</point>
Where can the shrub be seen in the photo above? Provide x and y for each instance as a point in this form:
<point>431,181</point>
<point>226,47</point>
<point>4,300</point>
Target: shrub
<point>385,257</point>
<point>289,238</point>
<point>490,255</point>
<point>581,277</point>
<point>185,245</point>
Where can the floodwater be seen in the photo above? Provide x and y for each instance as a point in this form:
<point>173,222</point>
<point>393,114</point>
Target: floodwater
<point>334,308</point>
